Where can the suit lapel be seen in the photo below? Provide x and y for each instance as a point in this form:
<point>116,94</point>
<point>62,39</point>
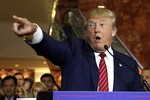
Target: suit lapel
<point>119,84</point>
<point>89,53</point>
<point>116,72</point>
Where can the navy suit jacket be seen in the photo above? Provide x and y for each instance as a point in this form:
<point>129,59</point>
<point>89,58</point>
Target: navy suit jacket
<point>3,97</point>
<point>78,65</point>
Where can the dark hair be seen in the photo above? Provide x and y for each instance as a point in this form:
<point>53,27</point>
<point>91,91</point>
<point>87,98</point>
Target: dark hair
<point>19,74</point>
<point>30,81</point>
<point>48,75</point>
<point>8,78</point>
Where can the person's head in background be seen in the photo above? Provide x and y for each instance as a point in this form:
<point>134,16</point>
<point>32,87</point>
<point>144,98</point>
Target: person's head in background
<point>48,80</point>
<point>9,84</point>
<point>28,84</point>
<point>37,87</point>
<point>21,92</point>
<point>146,75</point>
<point>100,28</point>
<point>20,79</point>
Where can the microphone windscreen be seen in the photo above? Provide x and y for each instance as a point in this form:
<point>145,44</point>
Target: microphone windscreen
<point>106,47</point>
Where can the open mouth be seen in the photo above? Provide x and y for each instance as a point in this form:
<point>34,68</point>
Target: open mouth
<point>98,39</point>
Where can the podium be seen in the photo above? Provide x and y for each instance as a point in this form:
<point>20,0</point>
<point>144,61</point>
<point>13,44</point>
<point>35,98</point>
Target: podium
<point>101,95</point>
<point>92,95</point>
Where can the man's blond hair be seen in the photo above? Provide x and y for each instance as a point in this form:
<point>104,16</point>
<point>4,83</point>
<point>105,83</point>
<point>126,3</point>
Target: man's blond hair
<point>102,12</point>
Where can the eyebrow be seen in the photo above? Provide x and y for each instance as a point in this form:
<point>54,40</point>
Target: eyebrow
<point>99,21</point>
<point>90,21</point>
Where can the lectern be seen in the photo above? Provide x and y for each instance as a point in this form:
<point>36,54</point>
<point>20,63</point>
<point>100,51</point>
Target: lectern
<point>88,95</point>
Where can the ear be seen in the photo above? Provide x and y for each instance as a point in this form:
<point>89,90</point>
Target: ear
<point>114,31</point>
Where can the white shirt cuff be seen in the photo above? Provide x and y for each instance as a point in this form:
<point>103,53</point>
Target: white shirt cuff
<point>37,36</point>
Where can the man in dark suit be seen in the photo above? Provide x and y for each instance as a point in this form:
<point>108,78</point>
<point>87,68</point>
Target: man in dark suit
<point>9,88</point>
<point>79,59</point>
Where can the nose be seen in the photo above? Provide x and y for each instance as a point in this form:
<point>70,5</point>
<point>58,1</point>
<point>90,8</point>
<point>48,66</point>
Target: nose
<point>97,29</point>
<point>96,32</point>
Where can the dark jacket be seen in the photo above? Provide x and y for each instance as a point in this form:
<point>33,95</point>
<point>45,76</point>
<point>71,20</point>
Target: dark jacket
<point>3,98</point>
<point>78,65</point>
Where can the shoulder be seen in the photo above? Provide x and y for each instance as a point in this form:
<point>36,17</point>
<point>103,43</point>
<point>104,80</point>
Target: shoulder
<point>74,41</point>
<point>124,57</point>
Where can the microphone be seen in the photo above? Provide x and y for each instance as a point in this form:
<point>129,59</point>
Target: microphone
<point>144,81</point>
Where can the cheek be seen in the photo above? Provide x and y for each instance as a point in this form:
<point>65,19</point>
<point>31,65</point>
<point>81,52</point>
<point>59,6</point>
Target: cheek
<point>89,34</point>
<point>109,38</point>
<point>50,85</point>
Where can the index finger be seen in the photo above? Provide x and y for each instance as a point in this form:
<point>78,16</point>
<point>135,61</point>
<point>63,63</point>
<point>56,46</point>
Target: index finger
<point>19,20</point>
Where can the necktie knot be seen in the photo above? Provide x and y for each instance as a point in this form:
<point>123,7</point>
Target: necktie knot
<point>102,54</point>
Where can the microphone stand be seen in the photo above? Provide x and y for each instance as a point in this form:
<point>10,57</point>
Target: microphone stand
<point>144,81</point>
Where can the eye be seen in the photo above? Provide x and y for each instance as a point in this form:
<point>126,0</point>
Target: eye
<point>91,25</point>
<point>102,24</point>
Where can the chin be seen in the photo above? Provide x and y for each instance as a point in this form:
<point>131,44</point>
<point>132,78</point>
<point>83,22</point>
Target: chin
<point>99,50</point>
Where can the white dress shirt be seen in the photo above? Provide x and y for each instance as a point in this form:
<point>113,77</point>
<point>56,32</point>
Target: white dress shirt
<point>12,98</point>
<point>109,60</point>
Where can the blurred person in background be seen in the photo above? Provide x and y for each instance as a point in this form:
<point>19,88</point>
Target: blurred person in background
<point>21,92</point>
<point>37,87</point>
<point>28,85</point>
<point>146,75</point>
<point>9,84</point>
<point>20,79</point>
<point>48,80</point>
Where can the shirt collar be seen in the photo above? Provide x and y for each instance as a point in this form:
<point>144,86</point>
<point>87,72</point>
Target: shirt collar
<point>12,98</point>
<point>108,56</point>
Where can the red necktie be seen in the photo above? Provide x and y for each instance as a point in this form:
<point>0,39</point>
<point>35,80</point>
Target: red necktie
<point>103,76</point>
